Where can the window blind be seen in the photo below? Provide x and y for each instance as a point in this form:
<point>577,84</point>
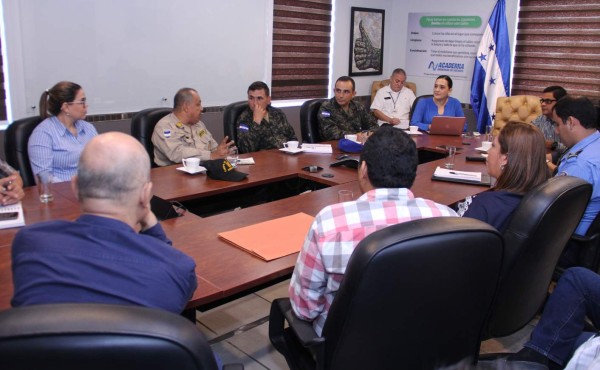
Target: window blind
<point>301,39</point>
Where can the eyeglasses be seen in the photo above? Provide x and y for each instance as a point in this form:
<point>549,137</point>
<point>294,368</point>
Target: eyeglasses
<point>547,101</point>
<point>82,102</point>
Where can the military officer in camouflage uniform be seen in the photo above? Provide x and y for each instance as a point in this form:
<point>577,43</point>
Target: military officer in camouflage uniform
<point>261,126</point>
<point>341,115</point>
<point>181,134</point>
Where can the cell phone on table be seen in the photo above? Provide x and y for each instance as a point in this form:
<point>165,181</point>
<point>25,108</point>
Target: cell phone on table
<point>8,216</point>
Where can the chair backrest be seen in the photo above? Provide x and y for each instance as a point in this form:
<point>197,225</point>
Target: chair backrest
<point>414,296</point>
<point>97,336</point>
<point>16,138</point>
<point>142,127</point>
<point>412,109</point>
<point>309,122</point>
<point>379,84</point>
<point>230,116</point>
<point>523,108</point>
<point>533,241</point>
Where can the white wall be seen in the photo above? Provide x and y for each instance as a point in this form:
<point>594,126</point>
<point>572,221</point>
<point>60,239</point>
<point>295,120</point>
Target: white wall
<point>396,19</point>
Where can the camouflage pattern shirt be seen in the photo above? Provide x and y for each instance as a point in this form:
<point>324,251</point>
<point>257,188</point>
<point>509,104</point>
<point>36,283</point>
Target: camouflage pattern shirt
<point>335,122</point>
<point>270,134</point>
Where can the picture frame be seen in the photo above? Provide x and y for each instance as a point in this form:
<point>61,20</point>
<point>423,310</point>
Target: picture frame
<point>366,41</point>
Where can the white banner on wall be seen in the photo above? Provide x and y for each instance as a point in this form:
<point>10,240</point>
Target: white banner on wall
<point>442,44</point>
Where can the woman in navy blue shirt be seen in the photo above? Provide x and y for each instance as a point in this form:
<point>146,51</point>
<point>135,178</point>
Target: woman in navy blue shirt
<point>517,159</point>
<point>441,104</point>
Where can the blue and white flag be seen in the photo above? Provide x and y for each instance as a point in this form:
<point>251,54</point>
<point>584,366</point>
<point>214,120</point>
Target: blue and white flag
<point>491,74</point>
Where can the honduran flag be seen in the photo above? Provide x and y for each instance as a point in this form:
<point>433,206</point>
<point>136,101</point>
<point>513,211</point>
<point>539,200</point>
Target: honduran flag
<point>491,74</point>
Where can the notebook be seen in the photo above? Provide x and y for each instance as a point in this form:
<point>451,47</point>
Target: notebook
<point>441,125</point>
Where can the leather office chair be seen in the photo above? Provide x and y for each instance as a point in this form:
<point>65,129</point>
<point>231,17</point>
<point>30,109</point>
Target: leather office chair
<point>523,108</point>
<point>412,109</point>
<point>142,127</point>
<point>533,241</point>
<point>16,138</point>
<point>397,307</point>
<point>230,116</point>
<point>587,249</point>
<point>379,84</point>
<point>309,122</point>
<point>98,336</point>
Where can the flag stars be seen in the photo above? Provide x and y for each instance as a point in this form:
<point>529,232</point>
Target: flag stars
<point>482,57</point>
<point>491,47</point>
<point>492,81</point>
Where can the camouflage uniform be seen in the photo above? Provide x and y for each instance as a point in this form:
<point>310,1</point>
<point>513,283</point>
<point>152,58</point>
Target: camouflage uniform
<point>173,141</point>
<point>269,134</point>
<point>334,122</point>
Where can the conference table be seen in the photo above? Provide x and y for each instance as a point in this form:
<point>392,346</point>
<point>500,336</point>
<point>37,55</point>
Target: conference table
<point>223,270</point>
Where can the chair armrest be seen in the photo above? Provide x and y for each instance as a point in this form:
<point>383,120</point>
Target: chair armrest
<point>233,367</point>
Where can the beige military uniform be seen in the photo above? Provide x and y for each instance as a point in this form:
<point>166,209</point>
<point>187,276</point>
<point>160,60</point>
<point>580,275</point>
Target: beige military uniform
<point>174,140</point>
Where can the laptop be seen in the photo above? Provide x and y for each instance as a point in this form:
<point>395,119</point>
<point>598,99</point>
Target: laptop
<point>442,125</point>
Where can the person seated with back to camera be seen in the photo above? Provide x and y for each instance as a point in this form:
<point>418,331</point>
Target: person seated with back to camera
<point>517,159</point>
<point>56,143</point>
<point>441,104</point>
<point>181,134</point>
<point>387,170</point>
<point>341,115</point>
<point>261,126</point>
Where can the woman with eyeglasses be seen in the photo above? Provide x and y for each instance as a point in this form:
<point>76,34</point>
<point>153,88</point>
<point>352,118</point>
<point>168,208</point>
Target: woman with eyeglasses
<point>56,143</point>
<point>517,159</point>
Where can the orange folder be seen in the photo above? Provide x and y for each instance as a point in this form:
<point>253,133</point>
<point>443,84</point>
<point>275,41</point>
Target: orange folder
<point>272,239</point>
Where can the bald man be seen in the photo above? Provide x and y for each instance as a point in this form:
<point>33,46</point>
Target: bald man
<point>116,252</point>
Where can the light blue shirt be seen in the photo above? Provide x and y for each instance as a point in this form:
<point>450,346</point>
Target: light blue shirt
<point>52,148</point>
<point>426,110</point>
<point>583,161</point>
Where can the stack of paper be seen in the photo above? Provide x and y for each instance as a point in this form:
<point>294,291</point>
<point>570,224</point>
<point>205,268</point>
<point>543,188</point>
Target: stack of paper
<point>12,222</point>
<point>271,239</point>
<point>468,177</point>
<point>317,148</point>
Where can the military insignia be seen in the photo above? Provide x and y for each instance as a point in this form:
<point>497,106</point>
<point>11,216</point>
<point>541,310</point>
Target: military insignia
<point>227,166</point>
<point>244,127</point>
<point>167,133</point>
<point>202,132</point>
<point>325,114</point>
<point>179,125</point>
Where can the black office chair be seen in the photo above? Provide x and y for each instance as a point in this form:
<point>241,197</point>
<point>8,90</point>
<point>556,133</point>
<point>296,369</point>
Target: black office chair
<point>414,296</point>
<point>98,336</point>
<point>230,116</point>
<point>309,122</point>
<point>414,105</point>
<point>533,242</point>
<point>142,127</point>
<point>16,138</point>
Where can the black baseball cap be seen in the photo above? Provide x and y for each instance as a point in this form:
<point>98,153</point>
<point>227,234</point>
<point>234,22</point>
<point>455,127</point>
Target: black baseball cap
<point>221,169</point>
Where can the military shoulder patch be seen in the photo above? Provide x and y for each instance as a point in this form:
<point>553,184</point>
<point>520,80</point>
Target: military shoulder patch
<point>244,127</point>
<point>167,133</point>
<point>325,114</point>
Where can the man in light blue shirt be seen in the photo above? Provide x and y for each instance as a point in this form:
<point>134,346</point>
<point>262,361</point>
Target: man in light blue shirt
<point>576,123</point>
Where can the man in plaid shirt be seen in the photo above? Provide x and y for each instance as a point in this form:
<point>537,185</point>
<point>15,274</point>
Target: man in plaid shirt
<point>387,170</point>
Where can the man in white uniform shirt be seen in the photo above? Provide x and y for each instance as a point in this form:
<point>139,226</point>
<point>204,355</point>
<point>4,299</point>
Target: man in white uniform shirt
<point>392,103</point>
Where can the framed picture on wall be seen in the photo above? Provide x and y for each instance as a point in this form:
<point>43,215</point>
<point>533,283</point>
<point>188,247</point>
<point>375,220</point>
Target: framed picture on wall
<point>366,41</point>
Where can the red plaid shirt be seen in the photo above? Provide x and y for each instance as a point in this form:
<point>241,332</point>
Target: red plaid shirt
<point>334,234</point>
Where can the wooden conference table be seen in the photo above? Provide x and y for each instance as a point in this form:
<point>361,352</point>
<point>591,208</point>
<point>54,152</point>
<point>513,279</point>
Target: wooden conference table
<point>222,269</point>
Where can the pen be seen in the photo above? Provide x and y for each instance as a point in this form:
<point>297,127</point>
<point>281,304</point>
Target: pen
<point>463,174</point>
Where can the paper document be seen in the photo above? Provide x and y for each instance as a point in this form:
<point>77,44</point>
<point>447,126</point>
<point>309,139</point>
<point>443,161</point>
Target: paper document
<point>317,148</point>
<point>245,160</point>
<point>459,175</point>
<point>17,222</point>
<point>271,239</point>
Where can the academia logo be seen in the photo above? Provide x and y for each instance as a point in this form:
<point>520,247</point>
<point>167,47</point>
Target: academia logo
<point>446,66</point>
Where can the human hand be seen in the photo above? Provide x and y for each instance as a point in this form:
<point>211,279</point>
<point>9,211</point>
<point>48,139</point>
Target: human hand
<point>258,113</point>
<point>11,189</point>
<point>149,220</point>
<point>395,121</point>
<point>222,149</point>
